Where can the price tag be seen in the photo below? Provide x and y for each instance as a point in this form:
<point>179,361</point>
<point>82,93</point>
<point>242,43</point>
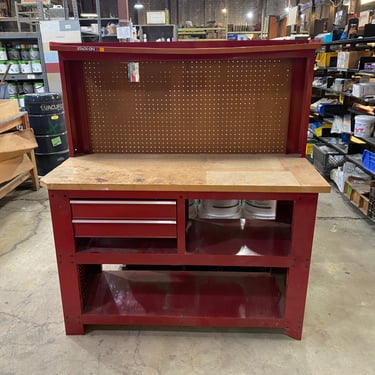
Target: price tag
<point>31,76</point>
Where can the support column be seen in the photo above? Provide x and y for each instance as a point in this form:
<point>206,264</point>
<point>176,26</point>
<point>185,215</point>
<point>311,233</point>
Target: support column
<point>123,11</point>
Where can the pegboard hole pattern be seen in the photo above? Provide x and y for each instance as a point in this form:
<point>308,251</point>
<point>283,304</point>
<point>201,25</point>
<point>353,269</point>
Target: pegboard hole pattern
<point>221,106</point>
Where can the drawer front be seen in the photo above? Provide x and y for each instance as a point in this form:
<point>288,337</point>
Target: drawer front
<point>123,209</point>
<point>125,228</point>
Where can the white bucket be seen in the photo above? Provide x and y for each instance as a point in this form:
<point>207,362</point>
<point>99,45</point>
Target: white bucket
<point>363,125</point>
<point>262,209</point>
<point>219,209</point>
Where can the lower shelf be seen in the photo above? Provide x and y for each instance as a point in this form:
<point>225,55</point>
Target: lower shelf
<point>186,298</point>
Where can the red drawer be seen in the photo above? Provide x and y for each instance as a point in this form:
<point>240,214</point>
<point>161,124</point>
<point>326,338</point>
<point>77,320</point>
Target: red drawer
<point>123,209</point>
<point>125,228</point>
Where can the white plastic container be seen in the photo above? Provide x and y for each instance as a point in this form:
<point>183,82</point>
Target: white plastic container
<point>15,67</point>
<point>363,125</point>
<point>25,54</point>
<point>34,52</point>
<point>3,67</point>
<point>36,66</point>
<point>3,54</point>
<point>12,88</point>
<point>25,67</point>
<point>39,87</point>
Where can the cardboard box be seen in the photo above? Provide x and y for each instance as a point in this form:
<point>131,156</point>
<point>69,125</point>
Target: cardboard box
<point>8,109</point>
<point>350,59</point>
<point>356,189</point>
<point>363,89</point>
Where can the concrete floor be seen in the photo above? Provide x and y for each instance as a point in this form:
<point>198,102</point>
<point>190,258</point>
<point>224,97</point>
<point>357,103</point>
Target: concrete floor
<point>339,329</point>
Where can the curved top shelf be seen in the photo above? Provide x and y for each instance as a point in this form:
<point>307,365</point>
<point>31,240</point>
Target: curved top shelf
<point>188,49</point>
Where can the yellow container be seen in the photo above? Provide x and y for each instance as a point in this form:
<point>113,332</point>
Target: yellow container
<point>319,131</point>
<point>323,59</point>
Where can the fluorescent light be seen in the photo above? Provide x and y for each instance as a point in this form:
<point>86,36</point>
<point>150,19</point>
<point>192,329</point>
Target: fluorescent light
<point>138,6</point>
<point>363,2</point>
<point>88,15</point>
<point>249,15</point>
<point>224,10</point>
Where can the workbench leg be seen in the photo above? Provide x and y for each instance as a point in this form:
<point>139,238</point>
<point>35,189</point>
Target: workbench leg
<point>295,301</point>
<point>303,224</point>
<point>71,298</point>
<point>70,274</point>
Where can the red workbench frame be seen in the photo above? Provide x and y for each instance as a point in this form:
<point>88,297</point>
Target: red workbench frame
<point>292,257</point>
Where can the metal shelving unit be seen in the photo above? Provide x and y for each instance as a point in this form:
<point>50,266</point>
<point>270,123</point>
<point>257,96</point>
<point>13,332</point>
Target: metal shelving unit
<point>26,37</point>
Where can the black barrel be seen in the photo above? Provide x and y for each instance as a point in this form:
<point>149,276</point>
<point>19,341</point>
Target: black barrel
<point>46,115</point>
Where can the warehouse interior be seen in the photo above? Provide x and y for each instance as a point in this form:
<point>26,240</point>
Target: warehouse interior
<point>203,207</point>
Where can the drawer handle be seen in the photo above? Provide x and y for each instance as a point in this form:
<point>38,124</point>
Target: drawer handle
<point>82,221</point>
<point>124,202</point>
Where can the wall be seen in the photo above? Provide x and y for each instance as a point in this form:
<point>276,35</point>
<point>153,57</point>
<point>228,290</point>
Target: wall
<point>198,11</point>
<point>202,11</point>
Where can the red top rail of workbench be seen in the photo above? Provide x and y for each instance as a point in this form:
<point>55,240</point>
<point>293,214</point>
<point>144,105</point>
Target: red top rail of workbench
<point>183,50</point>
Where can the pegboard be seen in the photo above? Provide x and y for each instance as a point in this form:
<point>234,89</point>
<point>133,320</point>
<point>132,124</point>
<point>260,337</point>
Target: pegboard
<point>203,106</point>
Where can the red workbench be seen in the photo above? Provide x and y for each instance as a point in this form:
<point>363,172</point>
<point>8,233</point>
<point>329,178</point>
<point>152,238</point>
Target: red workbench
<point>207,120</point>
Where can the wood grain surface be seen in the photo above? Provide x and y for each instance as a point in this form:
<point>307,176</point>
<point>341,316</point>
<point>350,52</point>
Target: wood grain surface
<point>187,172</point>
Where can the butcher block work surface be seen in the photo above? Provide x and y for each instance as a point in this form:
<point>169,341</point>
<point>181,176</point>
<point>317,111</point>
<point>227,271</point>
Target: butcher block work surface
<point>187,172</point>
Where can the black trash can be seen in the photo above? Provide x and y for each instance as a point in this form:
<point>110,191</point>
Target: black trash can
<point>47,119</point>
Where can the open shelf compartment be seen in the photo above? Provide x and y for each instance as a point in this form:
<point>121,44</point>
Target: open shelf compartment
<point>210,298</point>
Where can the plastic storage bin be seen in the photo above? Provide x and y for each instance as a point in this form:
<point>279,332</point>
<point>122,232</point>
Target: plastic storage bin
<point>368,160</point>
<point>326,158</point>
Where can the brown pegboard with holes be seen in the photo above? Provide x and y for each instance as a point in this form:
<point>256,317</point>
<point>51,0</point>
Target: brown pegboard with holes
<point>231,106</point>
<point>206,97</point>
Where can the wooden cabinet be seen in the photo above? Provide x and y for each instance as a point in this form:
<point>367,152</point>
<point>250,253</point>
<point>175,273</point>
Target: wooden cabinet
<point>125,202</point>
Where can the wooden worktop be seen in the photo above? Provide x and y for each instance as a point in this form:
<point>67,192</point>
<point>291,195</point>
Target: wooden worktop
<point>188,172</point>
